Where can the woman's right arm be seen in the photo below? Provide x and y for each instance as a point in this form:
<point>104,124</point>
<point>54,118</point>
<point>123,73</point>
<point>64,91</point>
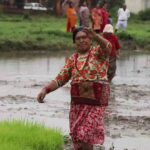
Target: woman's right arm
<point>104,44</point>
<point>52,86</point>
<point>62,78</point>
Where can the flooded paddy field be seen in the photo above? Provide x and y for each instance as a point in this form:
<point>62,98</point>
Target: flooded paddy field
<point>127,116</point>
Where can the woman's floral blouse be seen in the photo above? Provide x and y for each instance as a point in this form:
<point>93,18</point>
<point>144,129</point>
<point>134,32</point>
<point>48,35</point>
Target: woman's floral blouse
<point>95,69</point>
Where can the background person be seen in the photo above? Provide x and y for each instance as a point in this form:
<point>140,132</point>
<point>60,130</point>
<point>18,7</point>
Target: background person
<point>71,17</point>
<point>88,64</point>
<point>97,19</point>
<point>123,16</point>
<point>84,14</point>
<point>108,33</point>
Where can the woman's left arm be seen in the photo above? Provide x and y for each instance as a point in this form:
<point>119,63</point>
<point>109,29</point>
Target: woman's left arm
<point>104,44</point>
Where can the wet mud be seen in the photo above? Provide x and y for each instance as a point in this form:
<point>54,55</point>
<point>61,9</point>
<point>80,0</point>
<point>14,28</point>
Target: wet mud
<point>127,117</point>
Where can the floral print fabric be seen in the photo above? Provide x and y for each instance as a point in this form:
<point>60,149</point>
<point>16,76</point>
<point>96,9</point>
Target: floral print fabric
<point>86,121</point>
<point>96,68</point>
<point>86,124</point>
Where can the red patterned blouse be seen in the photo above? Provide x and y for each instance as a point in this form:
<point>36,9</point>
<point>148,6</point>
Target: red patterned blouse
<point>92,66</point>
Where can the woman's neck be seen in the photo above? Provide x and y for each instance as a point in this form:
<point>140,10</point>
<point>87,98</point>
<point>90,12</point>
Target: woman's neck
<point>83,53</point>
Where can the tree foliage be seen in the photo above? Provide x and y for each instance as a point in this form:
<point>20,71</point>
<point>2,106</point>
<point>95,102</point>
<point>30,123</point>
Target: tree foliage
<point>144,15</point>
<point>19,3</point>
<point>1,1</point>
<point>112,3</point>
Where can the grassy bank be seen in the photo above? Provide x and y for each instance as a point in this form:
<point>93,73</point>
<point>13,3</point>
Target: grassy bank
<point>137,35</point>
<point>35,33</point>
<point>49,33</point>
<point>16,135</point>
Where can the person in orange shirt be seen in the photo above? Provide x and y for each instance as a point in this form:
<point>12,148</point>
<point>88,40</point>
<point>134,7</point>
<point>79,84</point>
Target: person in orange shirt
<point>71,17</point>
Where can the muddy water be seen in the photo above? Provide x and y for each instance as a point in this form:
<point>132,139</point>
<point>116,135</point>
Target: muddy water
<point>133,68</point>
<point>22,75</point>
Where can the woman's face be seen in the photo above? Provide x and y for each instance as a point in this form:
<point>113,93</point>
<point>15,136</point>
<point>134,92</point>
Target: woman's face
<point>83,42</point>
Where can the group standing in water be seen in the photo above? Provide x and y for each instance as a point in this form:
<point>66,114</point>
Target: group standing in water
<point>98,16</point>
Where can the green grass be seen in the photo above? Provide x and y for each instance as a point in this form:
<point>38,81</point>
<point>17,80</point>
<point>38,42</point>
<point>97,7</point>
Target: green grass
<point>16,135</point>
<point>38,32</point>
<point>139,30</point>
<point>45,32</point>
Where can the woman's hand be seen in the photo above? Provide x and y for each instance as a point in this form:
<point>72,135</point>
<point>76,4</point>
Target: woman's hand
<point>90,32</point>
<point>41,95</point>
<point>47,89</point>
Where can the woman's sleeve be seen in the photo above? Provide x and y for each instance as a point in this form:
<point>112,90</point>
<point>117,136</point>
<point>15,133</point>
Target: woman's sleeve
<point>65,74</point>
<point>101,53</point>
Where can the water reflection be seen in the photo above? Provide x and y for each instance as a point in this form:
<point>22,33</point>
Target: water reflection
<point>132,68</point>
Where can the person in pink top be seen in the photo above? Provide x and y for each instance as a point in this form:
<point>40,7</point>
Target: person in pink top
<point>89,64</point>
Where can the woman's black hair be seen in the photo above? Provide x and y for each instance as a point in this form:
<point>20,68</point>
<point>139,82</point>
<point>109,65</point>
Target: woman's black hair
<point>75,33</point>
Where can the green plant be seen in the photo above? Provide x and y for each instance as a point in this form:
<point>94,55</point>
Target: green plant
<point>17,135</point>
<point>125,36</point>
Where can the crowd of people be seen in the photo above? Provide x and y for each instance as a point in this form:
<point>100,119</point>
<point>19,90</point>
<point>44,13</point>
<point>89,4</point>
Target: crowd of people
<point>91,69</point>
<point>96,18</point>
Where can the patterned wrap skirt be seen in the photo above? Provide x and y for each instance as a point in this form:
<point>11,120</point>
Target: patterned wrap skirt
<point>86,123</point>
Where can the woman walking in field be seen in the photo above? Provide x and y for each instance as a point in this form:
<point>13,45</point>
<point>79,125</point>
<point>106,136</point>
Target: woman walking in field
<point>87,69</point>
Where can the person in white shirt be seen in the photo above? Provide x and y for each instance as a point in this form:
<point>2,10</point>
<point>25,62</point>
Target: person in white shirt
<point>123,15</point>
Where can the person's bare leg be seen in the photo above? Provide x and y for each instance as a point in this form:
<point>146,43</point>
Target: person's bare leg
<point>82,146</point>
<point>85,146</point>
